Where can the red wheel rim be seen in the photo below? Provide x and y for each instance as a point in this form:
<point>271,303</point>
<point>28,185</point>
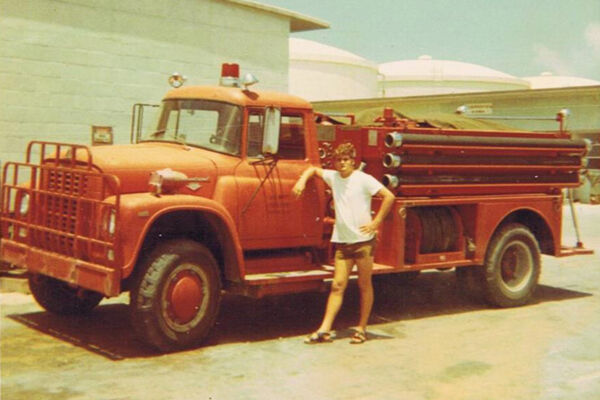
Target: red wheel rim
<point>185,296</point>
<point>516,266</point>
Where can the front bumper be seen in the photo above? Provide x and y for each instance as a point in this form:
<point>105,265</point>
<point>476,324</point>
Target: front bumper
<point>78,272</point>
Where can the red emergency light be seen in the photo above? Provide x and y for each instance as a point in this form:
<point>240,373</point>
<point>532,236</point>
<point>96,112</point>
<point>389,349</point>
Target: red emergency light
<point>230,75</point>
<point>230,70</point>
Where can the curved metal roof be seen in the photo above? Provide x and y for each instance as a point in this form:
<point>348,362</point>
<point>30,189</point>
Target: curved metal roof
<point>547,80</point>
<point>429,69</point>
<point>308,50</point>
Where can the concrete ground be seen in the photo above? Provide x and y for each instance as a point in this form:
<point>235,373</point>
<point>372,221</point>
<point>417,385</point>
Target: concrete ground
<point>427,342</point>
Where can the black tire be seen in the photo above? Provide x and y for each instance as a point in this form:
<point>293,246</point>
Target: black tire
<point>512,266</point>
<point>175,299</point>
<point>59,297</point>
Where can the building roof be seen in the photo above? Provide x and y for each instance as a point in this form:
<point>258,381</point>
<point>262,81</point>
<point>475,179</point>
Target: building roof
<point>547,80</point>
<point>429,69</point>
<point>298,22</point>
<point>308,50</point>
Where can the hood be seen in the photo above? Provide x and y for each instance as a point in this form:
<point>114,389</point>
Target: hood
<point>133,164</point>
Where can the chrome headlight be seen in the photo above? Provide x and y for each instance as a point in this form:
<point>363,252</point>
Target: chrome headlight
<point>588,146</point>
<point>24,204</point>
<point>109,223</point>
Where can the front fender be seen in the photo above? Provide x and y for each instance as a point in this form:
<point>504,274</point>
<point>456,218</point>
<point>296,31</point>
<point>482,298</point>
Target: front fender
<point>139,211</point>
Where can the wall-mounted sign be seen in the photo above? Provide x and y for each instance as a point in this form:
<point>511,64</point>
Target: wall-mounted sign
<point>102,135</point>
<point>479,108</point>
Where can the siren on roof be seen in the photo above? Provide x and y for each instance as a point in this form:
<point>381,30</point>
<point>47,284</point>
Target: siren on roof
<point>230,76</point>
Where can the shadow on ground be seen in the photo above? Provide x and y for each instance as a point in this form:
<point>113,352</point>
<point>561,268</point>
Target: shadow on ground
<point>107,332</point>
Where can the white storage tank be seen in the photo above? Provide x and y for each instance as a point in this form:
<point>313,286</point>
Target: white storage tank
<point>427,76</point>
<point>322,72</point>
<point>547,80</point>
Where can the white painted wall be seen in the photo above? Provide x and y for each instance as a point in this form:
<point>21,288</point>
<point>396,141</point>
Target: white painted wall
<point>67,65</point>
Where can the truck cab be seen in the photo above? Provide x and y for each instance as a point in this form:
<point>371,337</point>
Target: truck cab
<point>243,153</point>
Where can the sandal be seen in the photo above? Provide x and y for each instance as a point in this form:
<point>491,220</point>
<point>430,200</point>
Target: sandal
<point>359,337</point>
<point>318,337</point>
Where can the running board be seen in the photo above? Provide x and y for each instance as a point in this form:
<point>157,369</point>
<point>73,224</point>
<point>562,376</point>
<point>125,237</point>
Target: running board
<point>284,277</point>
<point>573,251</point>
<point>273,283</point>
<point>308,275</point>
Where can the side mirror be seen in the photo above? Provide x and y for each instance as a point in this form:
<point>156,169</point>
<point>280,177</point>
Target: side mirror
<point>270,143</point>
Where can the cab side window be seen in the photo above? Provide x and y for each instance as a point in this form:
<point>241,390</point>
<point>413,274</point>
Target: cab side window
<point>255,133</point>
<point>291,135</point>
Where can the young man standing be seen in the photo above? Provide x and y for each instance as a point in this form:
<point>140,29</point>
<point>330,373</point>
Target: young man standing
<point>353,234</point>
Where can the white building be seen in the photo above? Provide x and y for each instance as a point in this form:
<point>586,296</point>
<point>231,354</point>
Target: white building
<point>68,65</point>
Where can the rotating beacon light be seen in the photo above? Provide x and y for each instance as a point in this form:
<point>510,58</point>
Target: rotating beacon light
<point>230,77</point>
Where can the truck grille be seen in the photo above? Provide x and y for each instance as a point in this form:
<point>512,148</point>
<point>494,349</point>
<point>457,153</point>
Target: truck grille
<point>67,211</point>
<point>65,182</point>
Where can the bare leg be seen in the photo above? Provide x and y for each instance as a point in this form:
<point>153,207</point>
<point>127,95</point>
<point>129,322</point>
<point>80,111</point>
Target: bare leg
<point>365,285</point>
<point>336,296</point>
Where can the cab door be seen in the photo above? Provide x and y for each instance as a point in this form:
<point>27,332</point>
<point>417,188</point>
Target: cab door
<point>269,216</point>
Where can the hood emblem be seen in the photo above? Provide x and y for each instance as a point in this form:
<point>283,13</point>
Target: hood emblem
<point>166,181</point>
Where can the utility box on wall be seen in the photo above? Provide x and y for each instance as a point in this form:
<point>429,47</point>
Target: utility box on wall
<point>102,135</point>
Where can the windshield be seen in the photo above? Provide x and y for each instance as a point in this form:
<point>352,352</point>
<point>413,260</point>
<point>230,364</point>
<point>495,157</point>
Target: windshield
<point>208,124</point>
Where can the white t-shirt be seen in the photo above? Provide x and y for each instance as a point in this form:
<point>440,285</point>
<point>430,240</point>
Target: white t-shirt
<point>352,199</point>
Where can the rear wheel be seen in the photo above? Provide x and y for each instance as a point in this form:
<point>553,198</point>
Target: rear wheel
<point>512,266</point>
<point>59,297</point>
<point>175,300</point>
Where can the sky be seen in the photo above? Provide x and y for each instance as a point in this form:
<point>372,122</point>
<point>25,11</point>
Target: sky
<point>519,37</point>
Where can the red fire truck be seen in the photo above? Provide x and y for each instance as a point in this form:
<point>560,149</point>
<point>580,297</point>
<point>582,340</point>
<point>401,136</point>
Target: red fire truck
<point>202,206</point>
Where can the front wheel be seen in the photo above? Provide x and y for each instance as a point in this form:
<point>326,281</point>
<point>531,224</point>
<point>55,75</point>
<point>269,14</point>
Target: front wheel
<point>175,300</point>
<point>512,266</point>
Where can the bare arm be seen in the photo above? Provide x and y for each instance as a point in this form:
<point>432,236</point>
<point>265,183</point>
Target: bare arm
<point>386,206</point>
<point>300,185</point>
